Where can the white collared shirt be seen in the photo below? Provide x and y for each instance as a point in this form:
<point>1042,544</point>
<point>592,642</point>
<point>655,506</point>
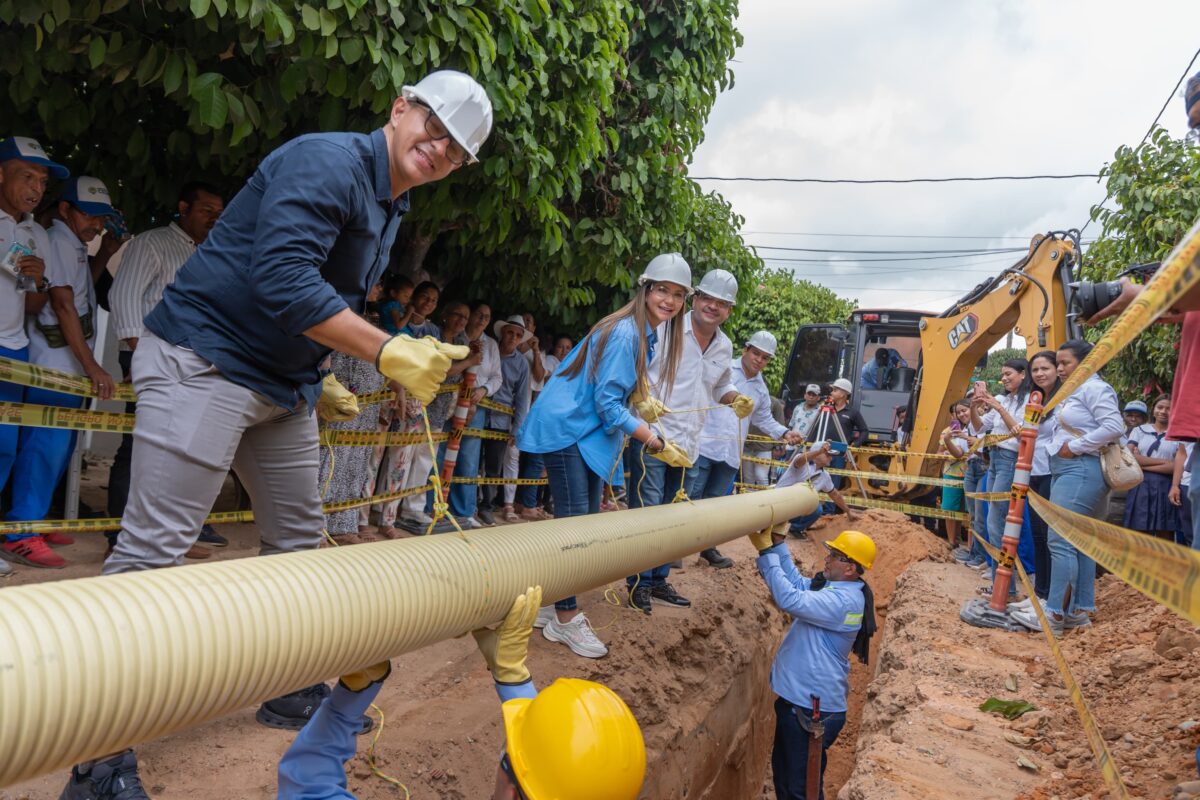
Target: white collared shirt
<point>67,266</point>
<point>701,380</point>
<point>12,302</point>
<point>488,376</point>
<point>148,266</point>
<point>992,422</point>
<point>724,434</point>
<point>1093,411</point>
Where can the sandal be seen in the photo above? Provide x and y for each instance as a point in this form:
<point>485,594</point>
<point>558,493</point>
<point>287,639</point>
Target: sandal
<point>343,539</point>
<point>508,515</point>
<point>388,532</point>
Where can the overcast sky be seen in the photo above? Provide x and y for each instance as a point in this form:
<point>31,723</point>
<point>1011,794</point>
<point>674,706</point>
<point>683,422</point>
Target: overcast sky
<point>895,89</point>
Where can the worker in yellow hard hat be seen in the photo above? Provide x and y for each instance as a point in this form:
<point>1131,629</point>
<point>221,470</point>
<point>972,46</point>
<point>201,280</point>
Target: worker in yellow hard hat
<point>575,740</point>
<point>833,614</point>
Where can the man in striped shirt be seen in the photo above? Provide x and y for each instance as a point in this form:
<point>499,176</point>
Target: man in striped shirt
<point>148,267</point>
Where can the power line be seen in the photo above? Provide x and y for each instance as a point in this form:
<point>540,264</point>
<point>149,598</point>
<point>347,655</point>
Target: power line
<point>871,181</point>
<point>1024,239</point>
<point>951,268</point>
<point>977,251</point>
<point>874,260</point>
<point>1150,130</point>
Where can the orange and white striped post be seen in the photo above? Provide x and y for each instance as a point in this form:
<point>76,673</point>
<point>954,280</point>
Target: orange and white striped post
<point>1016,503</point>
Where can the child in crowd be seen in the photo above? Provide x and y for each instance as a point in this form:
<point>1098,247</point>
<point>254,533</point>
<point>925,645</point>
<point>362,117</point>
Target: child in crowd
<point>956,444</point>
<point>395,312</point>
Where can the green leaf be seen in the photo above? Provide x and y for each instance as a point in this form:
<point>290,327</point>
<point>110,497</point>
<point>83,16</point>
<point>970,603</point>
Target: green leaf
<point>200,8</point>
<point>96,51</point>
<point>309,17</point>
<point>328,22</point>
<point>61,10</point>
<point>173,73</point>
<point>113,6</point>
<point>352,49</point>
<point>211,103</point>
<point>1009,709</point>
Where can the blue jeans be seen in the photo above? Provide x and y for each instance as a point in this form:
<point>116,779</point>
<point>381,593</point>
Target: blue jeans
<point>10,434</point>
<point>42,457</point>
<point>973,476</point>
<point>1194,496</point>
<point>463,496</point>
<point>710,478</point>
<point>1000,477</point>
<point>1078,485</point>
<point>789,756</point>
<point>801,524</point>
<point>576,491</point>
<point>530,469</point>
<point>650,485</point>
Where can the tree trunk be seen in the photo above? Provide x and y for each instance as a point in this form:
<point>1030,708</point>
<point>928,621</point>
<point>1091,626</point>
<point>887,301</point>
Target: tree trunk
<point>408,253</point>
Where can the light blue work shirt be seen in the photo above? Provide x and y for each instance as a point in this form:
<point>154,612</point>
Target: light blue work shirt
<point>815,655</point>
<point>515,391</point>
<point>590,410</point>
<point>313,768</point>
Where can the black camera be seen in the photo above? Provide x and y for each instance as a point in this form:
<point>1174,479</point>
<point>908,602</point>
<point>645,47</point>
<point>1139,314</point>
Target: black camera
<point>1087,298</point>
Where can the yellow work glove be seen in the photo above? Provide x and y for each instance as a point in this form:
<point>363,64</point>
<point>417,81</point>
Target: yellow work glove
<point>650,409</point>
<point>743,406</point>
<point>761,540</point>
<point>357,681</point>
<point>336,403</point>
<point>505,648</point>
<point>673,455</point>
<point>419,365</point>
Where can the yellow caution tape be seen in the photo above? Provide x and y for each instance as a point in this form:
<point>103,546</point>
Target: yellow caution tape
<point>750,487</point>
<point>1163,571</point>
<point>19,372</point>
<point>1177,275</point>
<point>1104,759</point>
<point>989,497</point>
<point>884,476</point>
<point>502,481</point>
<point>903,508</point>
<point>35,416</point>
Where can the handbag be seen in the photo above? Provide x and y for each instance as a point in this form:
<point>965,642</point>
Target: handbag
<point>1121,470</point>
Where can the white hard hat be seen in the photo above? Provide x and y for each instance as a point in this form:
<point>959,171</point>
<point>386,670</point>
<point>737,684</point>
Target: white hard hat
<point>844,385</point>
<point>669,268</point>
<point>719,284</point>
<point>763,340</point>
<point>460,103</point>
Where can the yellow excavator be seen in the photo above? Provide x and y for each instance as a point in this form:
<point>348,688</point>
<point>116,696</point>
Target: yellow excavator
<point>1035,299</point>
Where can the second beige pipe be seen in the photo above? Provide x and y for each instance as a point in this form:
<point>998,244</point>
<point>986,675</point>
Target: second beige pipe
<point>92,666</point>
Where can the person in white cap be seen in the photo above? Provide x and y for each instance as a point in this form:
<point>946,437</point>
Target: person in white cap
<point>725,430</point>
<point>805,414</point>
<point>61,336</point>
<point>501,456</point>
<point>24,247</point>
<point>227,371</point>
<point>704,379</point>
<point>582,417</point>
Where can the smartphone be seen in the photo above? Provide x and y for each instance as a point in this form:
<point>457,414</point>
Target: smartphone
<point>980,388</point>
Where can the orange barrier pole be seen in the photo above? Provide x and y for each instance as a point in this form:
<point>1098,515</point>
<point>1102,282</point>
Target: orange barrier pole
<point>457,424</point>
<point>1016,503</point>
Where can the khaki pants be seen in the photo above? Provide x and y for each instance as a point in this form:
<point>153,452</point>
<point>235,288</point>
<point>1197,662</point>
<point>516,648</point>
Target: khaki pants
<point>192,426</point>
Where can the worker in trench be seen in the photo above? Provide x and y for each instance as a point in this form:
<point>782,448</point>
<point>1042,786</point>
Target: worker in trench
<point>227,372</point>
<point>833,615</point>
<point>574,739</point>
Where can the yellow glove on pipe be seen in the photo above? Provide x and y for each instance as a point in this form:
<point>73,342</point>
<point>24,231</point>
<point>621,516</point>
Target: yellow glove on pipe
<point>743,406</point>
<point>419,365</point>
<point>506,648</point>
<point>673,455</point>
<point>357,681</point>
<point>336,403</point>
<point>761,540</point>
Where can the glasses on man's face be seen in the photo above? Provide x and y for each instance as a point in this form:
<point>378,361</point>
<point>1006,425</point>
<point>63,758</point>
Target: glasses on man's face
<point>724,305</point>
<point>834,556</point>
<point>506,765</point>
<point>456,154</point>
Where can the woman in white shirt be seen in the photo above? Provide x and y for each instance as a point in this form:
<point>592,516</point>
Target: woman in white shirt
<point>1147,507</point>
<point>1043,369</point>
<point>1087,420</point>
<point>1003,416</point>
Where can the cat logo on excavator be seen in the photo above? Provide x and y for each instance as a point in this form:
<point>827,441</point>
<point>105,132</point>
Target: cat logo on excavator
<point>964,330</point>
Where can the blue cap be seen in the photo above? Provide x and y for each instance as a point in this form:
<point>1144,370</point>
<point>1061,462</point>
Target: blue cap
<point>1137,406</point>
<point>89,195</point>
<point>27,149</point>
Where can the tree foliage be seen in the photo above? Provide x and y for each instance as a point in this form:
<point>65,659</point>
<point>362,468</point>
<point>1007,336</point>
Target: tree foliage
<point>779,302</point>
<point>599,104</point>
<point>1156,194</point>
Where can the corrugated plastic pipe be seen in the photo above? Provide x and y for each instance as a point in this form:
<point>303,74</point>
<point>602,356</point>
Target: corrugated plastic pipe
<point>91,666</point>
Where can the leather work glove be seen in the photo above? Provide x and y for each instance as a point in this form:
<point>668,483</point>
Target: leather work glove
<point>673,455</point>
<point>376,673</point>
<point>336,403</point>
<point>419,365</point>
<point>505,648</point>
<point>761,540</point>
<point>743,406</point>
<point>648,407</point>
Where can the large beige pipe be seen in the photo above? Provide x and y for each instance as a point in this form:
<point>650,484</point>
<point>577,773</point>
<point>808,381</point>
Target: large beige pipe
<point>91,666</point>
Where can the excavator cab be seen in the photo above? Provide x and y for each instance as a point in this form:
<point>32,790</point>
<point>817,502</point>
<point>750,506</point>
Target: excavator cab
<point>879,352</point>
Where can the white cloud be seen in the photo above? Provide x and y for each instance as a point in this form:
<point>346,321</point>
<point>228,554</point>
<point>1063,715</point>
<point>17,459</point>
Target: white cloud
<point>896,88</point>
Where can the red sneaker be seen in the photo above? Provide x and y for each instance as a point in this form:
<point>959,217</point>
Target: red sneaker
<point>32,550</point>
<point>58,539</point>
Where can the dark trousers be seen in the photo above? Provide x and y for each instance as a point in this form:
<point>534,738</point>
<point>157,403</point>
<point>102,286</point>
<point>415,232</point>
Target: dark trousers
<point>493,467</point>
<point>1041,548</point>
<point>576,490</point>
<point>118,476</point>
<point>789,757</point>
<point>531,468</point>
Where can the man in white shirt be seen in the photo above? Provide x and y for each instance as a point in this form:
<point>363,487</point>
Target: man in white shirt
<point>464,498</point>
<point>24,247</point>
<point>805,414</point>
<point>703,379</point>
<point>809,466</point>
<point>61,336</point>
<point>725,430</point>
<point>148,266</point>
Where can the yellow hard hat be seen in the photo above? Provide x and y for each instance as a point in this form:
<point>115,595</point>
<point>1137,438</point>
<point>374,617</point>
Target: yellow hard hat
<point>856,546</point>
<point>577,740</point>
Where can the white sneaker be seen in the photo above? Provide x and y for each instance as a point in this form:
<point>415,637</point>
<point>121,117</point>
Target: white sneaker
<point>1029,619</point>
<point>5,568</point>
<point>577,635</point>
<point>545,614</point>
<point>1022,605</point>
<point>420,517</point>
<point>468,523</point>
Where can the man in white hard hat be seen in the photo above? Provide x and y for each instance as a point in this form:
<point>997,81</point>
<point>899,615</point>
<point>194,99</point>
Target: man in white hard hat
<point>725,430</point>
<point>704,379</point>
<point>227,370</point>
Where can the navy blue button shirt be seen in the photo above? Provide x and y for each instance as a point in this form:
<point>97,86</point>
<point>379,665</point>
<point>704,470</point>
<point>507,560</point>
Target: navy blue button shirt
<point>308,236</point>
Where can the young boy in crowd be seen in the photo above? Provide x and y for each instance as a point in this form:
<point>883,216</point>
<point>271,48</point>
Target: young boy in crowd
<point>394,314</point>
<point>810,466</point>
